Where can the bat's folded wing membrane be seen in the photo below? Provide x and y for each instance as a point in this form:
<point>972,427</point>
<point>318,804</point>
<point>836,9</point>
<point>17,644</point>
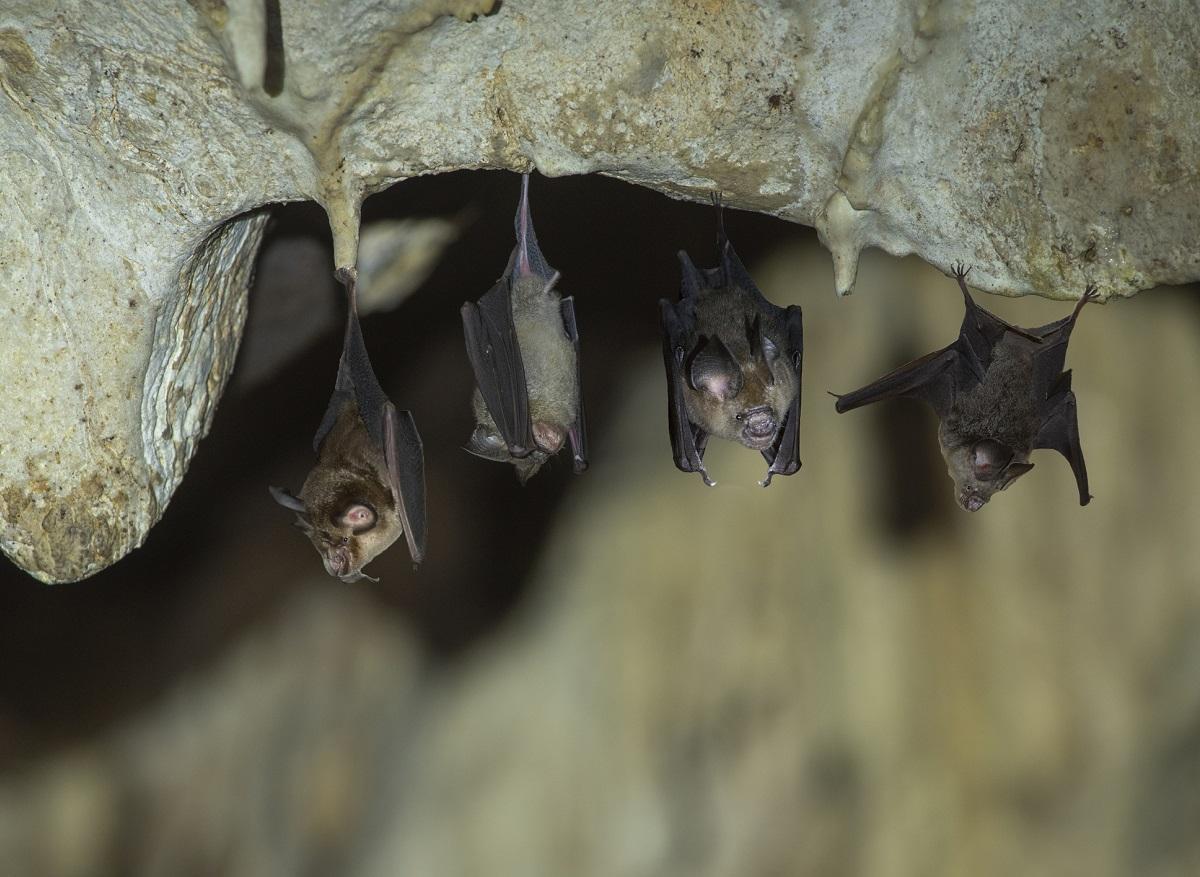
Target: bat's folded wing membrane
<point>356,382</point>
<point>1060,432</point>
<point>784,457</point>
<point>686,440</point>
<point>406,467</point>
<point>499,371</point>
<point>577,432</point>
<point>933,378</point>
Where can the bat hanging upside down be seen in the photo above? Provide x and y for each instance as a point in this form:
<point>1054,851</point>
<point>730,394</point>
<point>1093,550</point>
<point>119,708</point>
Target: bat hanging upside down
<point>734,364</point>
<point>368,486</point>
<point>523,344</point>
<point>1000,392</point>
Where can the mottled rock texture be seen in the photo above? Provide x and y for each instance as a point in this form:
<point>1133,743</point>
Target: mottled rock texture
<point>1047,144</point>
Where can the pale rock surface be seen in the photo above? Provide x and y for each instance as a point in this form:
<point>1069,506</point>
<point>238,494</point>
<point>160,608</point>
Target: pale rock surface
<point>1049,145</point>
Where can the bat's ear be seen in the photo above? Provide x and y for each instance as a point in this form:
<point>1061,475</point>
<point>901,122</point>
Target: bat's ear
<point>286,499</point>
<point>693,280</point>
<point>712,369</point>
<point>1015,471</point>
<point>990,459</point>
<point>762,348</point>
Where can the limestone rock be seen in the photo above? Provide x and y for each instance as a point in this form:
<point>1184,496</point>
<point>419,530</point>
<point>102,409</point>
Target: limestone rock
<point>1049,146</point>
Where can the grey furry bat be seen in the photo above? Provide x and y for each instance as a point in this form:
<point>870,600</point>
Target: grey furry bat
<point>734,363</point>
<point>523,344</point>
<point>368,485</point>
<point>1000,392</point>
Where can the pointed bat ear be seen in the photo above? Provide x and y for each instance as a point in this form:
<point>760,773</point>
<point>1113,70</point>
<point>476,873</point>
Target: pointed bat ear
<point>693,280</point>
<point>286,499</point>
<point>755,337</point>
<point>712,369</point>
<point>1014,471</point>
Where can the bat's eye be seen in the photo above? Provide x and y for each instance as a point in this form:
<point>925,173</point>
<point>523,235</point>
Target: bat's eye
<point>359,517</point>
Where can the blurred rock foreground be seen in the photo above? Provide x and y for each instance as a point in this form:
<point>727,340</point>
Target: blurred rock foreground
<point>814,679</point>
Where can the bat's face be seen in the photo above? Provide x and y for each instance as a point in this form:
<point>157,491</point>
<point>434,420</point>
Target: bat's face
<point>349,526</point>
<point>981,468</point>
<point>741,397</point>
<point>486,442</point>
<point>549,415</point>
<point>349,539</point>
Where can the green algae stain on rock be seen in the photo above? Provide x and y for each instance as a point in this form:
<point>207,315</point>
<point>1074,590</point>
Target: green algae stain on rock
<point>15,53</point>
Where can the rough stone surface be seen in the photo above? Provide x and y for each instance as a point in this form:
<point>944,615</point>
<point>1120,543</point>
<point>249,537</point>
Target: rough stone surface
<point>1048,145</point>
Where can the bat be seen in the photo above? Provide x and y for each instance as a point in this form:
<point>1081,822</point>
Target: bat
<point>734,363</point>
<point>1000,392</point>
<point>368,486</point>
<point>523,343</point>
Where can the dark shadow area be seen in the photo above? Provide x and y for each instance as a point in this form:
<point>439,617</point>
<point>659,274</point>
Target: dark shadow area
<point>915,495</point>
<point>75,658</point>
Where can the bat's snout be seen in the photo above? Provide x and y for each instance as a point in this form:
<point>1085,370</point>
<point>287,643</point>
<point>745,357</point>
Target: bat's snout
<point>972,502</point>
<point>759,426</point>
<point>338,561</point>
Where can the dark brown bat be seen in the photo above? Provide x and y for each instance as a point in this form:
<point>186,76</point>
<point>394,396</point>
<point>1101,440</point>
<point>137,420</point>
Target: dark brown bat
<point>1000,392</point>
<point>368,485</point>
<point>523,343</point>
<point>734,363</point>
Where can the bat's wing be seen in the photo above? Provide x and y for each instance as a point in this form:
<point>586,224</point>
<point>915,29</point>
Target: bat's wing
<point>1060,432</point>
<point>527,256</point>
<point>981,330</point>
<point>732,272</point>
<point>1051,354</point>
<point>578,430</point>
<point>935,378</point>
<point>406,466</point>
<point>784,457</point>
<point>687,442</point>
<point>495,356</point>
<point>695,280</point>
<point>356,382</point>
<point>393,432</point>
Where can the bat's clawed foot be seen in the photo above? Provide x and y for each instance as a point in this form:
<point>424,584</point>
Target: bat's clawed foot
<point>960,271</point>
<point>1090,293</point>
